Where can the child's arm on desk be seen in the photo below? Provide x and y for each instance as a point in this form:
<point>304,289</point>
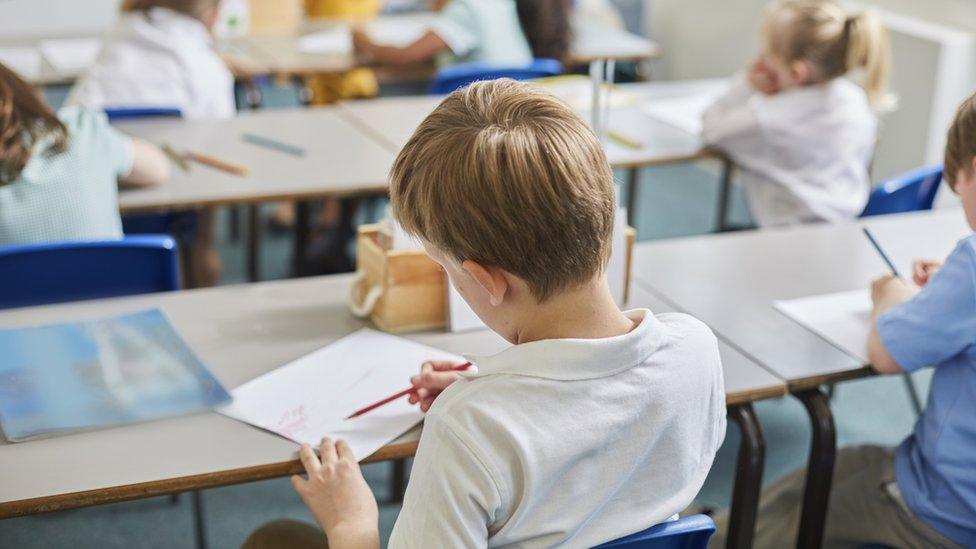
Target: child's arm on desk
<point>886,292</point>
<point>149,165</point>
<point>425,48</point>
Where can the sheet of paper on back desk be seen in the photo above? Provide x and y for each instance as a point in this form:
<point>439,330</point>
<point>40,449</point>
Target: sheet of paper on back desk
<point>843,319</point>
<point>310,398</point>
<point>683,112</point>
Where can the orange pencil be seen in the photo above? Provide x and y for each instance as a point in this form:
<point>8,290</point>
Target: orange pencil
<point>217,163</point>
<point>401,394</point>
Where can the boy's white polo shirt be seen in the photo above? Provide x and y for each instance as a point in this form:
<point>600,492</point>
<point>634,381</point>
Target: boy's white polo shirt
<point>569,441</point>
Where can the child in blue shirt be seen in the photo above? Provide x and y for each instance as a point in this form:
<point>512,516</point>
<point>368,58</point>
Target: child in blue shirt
<point>936,326</point>
<point>922,493</point>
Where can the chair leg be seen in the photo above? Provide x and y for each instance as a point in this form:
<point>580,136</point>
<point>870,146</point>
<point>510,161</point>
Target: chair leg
<point>633,175</point>
<point>398,483</point>
<point>199,524</point>
<point>913,393</point>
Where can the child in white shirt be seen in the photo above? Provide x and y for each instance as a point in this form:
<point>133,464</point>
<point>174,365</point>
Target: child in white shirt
<point>596,423</point>
<point>161,54</point>
<point>801,132</point>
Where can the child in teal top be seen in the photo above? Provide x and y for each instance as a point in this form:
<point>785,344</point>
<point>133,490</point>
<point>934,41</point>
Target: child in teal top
<point>499,32</point>
<point>59,173</point>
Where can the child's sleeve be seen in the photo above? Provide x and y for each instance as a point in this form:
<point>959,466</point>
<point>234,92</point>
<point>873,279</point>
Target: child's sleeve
<point>452,496</point>
<point>112,147</point>
<point>731,120</point>
<point>457,25</point>
<point>940,322</point>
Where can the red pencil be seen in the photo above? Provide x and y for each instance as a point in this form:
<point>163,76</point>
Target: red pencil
<point>401,394</point>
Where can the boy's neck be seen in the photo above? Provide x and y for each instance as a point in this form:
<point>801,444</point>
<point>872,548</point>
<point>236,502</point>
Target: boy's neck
<point>588,312</point>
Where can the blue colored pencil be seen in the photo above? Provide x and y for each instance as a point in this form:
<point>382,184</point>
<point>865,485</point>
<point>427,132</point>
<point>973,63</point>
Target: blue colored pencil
<point>881,252</point>
<point>273,144</point>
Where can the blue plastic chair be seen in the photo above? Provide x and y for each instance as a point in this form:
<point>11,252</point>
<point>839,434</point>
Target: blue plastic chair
<point>132,113</point>
<point>687,533</point>
<point>910,192</point>
<point>451,78</point>
<point>37,274</point>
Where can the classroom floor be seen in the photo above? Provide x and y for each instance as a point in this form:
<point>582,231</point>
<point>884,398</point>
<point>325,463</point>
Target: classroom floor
<point>674,201</point>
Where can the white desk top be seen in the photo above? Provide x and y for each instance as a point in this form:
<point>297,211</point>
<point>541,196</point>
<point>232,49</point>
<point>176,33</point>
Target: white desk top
<point>730,281</point>
<point>338,159</point>
<point>393,120</point>
<point>350,148</point>
<point>240,332</point>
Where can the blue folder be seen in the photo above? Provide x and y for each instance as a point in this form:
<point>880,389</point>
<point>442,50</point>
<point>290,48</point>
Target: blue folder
<point>87,375</point>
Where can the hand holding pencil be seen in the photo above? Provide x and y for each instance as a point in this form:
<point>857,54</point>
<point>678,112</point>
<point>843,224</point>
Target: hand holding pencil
<point>434,377</point>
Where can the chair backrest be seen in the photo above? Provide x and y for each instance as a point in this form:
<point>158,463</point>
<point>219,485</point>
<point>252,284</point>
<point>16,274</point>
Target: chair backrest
<point>132,113</point>
<point>691,532</point>
<point>451,78</point>
<point>36,274</point>
<point>909,192</point>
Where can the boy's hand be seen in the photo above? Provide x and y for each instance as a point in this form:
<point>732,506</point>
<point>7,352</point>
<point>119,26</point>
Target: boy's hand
<point>890,290</point>
<point>923,269</point>
<point>337,495</point>
<point>361,42</point>
<point>435,376</point>
<point>762,78</point>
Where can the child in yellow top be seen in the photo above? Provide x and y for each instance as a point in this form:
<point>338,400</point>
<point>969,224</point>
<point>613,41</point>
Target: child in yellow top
<point>357,83</point>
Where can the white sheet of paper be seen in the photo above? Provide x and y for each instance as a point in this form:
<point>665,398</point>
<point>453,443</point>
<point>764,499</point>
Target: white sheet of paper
<point>682,112</point>
<point>460,316</point>
<point>334,41</point>
<point>309,398</point>
<point>24,61</point>
<point>843,319</point>
<point>71,56</point>
<point>398,31</point>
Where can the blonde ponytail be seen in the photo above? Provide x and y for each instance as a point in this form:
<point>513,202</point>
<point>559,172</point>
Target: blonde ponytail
<point>835,43</point>
<point>868,48</point>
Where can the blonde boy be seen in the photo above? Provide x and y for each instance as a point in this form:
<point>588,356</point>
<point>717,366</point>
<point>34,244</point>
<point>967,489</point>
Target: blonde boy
<point>597,423</point>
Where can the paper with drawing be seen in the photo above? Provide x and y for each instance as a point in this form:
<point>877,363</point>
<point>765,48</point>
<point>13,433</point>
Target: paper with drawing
<point>843,319</point>
<point>310,398</point>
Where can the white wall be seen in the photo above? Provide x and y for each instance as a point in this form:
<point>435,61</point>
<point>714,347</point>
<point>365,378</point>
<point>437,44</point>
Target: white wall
<point>934,62</point>
<point>55,17</point>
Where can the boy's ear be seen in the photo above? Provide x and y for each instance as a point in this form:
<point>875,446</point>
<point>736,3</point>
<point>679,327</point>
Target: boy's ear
<point>801,72</point>
<point>491,279</point>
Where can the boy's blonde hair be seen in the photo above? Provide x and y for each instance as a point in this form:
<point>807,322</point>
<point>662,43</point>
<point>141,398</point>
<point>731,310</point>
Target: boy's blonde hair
<point>197,9</point>
<point>508,175</point>
<point>961,142</point>
<point>834,42</point>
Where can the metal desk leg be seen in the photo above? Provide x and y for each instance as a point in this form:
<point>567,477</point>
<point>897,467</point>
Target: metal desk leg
<point>820,468</point>
<point>301,238</point>
<point>633,176</point>
<point>398,483</point>
<point>199,526</point>
<point>253,243</point>
<point>724,196</point>
<point>748,478</point>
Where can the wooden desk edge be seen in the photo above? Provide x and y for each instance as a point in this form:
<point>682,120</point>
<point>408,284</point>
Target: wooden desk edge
<point>116,494</point>
<point>746,397</point>
<point>814,382</point>
<point>142,490</point>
